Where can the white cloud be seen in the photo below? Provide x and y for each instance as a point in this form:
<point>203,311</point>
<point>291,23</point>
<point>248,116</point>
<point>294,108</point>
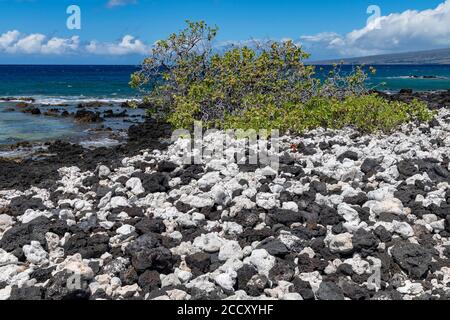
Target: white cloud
<point>13,42</point>
<point>29,44</point>
<point>321,37</point>
<point>8,38</point>
<point>406,31</point>
<point>128,45</point>
<point>224,45</point>
<point>117,3</point>
<point>60,45</point>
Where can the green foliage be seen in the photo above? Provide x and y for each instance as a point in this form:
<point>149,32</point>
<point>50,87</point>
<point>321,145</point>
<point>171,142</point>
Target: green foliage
<point>267,86</point>
<point>366,113</point>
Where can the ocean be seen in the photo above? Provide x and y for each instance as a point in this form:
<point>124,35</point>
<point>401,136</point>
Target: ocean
<point>55,84</point>
<point>71,85</point>
<point>60,85</point>
<point>393,78</point>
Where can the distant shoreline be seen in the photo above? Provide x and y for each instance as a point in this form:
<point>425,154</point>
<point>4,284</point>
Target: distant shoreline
<point>315,63</point>
<point>322,63</point>
<point>427,57</point>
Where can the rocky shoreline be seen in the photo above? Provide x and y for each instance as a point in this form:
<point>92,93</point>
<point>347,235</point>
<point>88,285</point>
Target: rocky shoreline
<point>434,99</point>
<point>346,216</point>
<point>97,123</point>
<point>85,112</point>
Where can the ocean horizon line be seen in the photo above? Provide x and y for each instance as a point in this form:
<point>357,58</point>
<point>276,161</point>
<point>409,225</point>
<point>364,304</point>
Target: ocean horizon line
<point>63,65</point>
<point>318,63</point>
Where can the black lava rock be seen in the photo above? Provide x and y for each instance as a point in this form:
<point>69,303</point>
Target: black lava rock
<point>166,166</point>
<point>354,291</point>
<point>383,234</point>
<point>282,271</point>
<point>244,275</point>
<point>365,242</point>
<point>156,182</point>
<point>348,155</point>
<point>360,199</point>
<point>303,288</point>
<point>19,205</point>
<point>407,168</point>
<point>286,217</point>
<point>329,291</point>
<point>149,280</point>
<point>148,254</point>
<point>88,246</point>
<point>274,247</point>
<point>369,167</point>
<point>199,262</point>
<point>147,225</point>
<point>22,234</point>
<point>413,258</point>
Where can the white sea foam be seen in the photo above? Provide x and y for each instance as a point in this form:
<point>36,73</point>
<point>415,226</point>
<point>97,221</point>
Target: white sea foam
<point>104,142</point>
<point>45,100</point>
<point>21,152</point>
<point>419,78</point>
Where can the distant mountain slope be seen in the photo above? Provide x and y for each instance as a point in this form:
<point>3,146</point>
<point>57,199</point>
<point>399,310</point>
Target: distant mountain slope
<point>440,56</point>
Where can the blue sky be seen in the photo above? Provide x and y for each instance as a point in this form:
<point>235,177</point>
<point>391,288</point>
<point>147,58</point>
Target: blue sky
<point>122,31</point>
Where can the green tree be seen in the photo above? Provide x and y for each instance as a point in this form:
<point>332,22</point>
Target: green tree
<point>264,86</point>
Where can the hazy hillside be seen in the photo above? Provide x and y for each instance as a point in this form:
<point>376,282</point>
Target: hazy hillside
<point>441,56</point>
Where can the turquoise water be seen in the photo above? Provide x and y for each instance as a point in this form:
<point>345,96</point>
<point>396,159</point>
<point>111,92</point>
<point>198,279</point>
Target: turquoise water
<point>52,86</point>
<point>400,77</point>
<point>17,126</point>
<point>396,77</point>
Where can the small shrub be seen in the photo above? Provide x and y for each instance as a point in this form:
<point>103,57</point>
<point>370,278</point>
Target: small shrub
<point>264,87</point>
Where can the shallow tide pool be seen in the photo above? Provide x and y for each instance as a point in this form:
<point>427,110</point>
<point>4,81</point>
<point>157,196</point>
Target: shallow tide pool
<point>16,126</point>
